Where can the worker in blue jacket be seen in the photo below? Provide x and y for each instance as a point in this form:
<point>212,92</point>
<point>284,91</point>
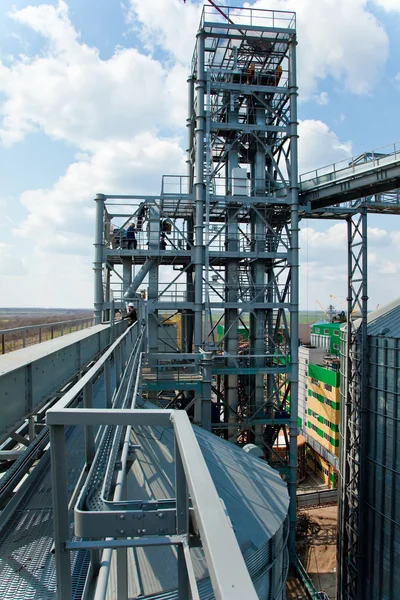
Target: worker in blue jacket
<point>131,236</point>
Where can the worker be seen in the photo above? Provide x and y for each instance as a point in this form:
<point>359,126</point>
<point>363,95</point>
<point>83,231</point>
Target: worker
<point>163,243</point>
<point>131,314</point>
<point>131,237</point>
<point>251,72</point>
<point>278,74</point>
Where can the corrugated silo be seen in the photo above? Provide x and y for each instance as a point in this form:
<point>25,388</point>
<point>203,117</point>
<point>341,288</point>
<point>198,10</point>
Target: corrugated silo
<point>255,498</point>
<point>378,560</point>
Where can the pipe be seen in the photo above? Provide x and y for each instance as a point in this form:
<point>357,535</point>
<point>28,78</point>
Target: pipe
<point>130,292</point>
<point>294,301</point>
<point>98,260</point>
<point>105,564</point>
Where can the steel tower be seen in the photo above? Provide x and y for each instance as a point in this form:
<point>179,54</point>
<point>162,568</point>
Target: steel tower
<point>219,245</point>
<point>242,163</point>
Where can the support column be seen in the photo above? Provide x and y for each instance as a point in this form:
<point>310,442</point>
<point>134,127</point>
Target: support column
<point>206,369</point>
<point>187,315</point>
<point>294,300</point>
<point>199,188</point>
<point>152,316</point>
<point>258,316</point>
<point>231,283</point>
<point>98,260</point>
<point>126,272</point>
<point>351,540</point>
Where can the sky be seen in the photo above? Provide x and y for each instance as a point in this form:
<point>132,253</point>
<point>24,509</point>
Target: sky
<point>93,99</point>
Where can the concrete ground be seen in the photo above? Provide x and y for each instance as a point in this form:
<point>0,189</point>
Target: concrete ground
<point>317,546</point>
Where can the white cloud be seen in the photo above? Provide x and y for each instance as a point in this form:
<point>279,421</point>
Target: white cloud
<point>319,146</point>
<point>341,39</point>
<point>70,93</point>
<point>322,99</point>
<point>65,211</point>
<point>323,260</point>
<point>10,264</point>
<point>388,5</point>
<point>167,24</point>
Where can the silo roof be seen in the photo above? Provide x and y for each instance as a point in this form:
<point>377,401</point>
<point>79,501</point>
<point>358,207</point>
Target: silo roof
<point>254,495</point>
<point>386,320</point>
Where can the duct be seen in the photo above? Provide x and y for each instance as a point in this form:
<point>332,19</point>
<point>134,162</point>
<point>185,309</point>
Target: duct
<point>137,280</point>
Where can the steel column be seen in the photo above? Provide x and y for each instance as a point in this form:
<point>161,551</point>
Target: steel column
<point>98,260</point>
<point>294,299</point>
<point>60,511</point>
<point>350,533</point>
<point>199,190</point>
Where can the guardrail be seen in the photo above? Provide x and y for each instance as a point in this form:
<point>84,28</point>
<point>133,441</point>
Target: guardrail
<point>349,166</point>
<point>312,592</point>
<point>26,384</point>
<point>317,498</point>
<point>122,528</point>
<point>39,333</point>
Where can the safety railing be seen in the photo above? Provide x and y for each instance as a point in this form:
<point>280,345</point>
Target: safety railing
<point>308,584</point>
<point>350,166</point>
<point>175,185</point>
<point>195,516</point>
<point>28,335</point>
<point>219,239</point>
<point>238,187</point>
<point>249,16</point>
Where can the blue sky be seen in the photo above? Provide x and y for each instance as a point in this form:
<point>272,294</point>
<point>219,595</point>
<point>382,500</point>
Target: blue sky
<point>90,91</point>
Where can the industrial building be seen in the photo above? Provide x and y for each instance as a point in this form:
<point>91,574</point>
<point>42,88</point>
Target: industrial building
<point>319,403</point>
<point>151,493</point>
<point>326,335</point>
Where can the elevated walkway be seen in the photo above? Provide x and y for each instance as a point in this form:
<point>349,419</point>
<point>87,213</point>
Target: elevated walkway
<point>360,177</point>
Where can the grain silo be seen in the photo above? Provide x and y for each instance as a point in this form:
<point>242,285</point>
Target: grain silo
<point>255,498</point>
<point>375,559</point>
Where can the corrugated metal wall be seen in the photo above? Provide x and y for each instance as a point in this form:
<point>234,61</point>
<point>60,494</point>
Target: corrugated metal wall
<point>382,485</point>
<point>380,572</point>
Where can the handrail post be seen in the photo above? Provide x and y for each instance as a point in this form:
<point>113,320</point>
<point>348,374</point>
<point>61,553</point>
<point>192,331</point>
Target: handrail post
<point>182,521</point>
<point>3,344</point>
<point>60,511</point>
<point>90,448</point>
<point>24,338</point>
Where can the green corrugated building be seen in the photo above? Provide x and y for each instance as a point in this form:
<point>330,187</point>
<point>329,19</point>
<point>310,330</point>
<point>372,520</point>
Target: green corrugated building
<point>326,335</point>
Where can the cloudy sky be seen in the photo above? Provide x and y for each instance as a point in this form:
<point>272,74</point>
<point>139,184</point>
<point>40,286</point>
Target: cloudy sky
<point>93,99</point>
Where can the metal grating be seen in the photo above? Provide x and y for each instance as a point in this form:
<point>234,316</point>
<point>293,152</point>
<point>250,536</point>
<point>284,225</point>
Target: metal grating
<point>27,566</point>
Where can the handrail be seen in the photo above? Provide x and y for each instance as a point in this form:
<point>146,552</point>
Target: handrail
<point>229,576</point>
<point>89,321</point>
<point>46,325</point>
<point>392,150</point>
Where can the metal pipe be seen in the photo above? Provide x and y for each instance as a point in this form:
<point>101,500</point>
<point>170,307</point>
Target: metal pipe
<point>130,292</point>
<point>294,300</point>
<point>98,260</point>
<point>105,565</point>
<point>199,188</point>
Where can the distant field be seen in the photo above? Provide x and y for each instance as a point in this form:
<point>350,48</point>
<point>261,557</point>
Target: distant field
<point>311,316</point>
<point>11,318</point>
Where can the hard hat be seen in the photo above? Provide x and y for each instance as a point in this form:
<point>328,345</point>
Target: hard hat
<point>130,304</point>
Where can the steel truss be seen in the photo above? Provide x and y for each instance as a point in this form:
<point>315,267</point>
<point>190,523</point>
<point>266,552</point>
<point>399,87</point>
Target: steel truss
<point>350,531</point>
<point>231,228</point>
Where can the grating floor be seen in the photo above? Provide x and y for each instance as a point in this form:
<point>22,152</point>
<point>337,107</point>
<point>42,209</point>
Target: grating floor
<point>27,567</point>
